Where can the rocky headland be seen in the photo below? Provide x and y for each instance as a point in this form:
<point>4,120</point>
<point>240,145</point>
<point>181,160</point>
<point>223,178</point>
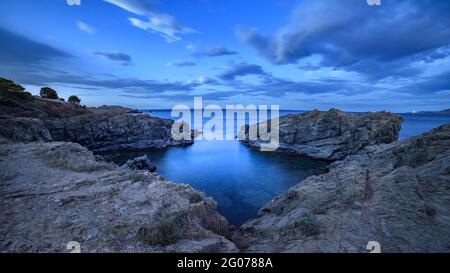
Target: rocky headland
<point>25,117</point>
<point>396,194</point>
<point>330,135</point>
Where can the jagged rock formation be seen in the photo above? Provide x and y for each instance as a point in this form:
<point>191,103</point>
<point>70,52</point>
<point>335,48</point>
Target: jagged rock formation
<point>332,135</point>
<point>397,194</point>
<point>53,193</point>
<point>100,129</point>
<point>24,129</point>
<point>109,131</point>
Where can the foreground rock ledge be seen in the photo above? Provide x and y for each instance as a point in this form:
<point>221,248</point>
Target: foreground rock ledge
<point>332,135</point>
<point>396,194</point>
<point>53,193</point>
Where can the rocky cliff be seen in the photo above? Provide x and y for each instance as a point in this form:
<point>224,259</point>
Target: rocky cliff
<point>107,131</point>
<point>56,192</point>
<point>332,135</point>
<point>24,117</point>
<point>396,194</point>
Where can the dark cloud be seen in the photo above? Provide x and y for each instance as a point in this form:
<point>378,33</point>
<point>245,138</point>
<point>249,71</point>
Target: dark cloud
<point>357,37</point>
<point>241,70</point>
<point>209,51</point>
<point>118,57</point>
<point>15,49</point>
<point>429,85</point>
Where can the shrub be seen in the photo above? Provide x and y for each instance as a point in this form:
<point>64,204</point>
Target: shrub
<point>195,198</point>
<point>74,100</point>
<point>8,98</point>
<point>165,231</point>
<point>7,85</point>
<point>308,225</point>
<point>135,176</point>
<point>430,211</point>
<point>4,99</point>
<point>71,157</point>
<point>48,93</point>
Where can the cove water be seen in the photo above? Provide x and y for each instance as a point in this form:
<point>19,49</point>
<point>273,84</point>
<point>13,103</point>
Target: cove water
<point>242,180</point>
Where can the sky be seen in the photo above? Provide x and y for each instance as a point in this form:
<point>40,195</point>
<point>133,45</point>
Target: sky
<point>299,54</point>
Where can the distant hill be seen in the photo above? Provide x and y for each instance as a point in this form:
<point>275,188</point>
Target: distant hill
<point>443,112</point>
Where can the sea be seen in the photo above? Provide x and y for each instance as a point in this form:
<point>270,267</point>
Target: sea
<point>240,179</point>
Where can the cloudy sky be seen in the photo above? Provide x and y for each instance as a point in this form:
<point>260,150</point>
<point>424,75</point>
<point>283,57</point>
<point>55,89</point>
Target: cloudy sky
<point>300,54</point>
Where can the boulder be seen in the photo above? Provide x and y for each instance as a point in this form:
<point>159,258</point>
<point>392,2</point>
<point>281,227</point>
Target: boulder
<point>332,135</point>
<point>141,163</point>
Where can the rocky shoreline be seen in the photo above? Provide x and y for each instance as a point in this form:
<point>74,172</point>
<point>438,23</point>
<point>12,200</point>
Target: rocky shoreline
<point>330,135</point>
<point>56,192</point>
<point>53,190</point>
<point>107,128</point>
<point>396,194</point>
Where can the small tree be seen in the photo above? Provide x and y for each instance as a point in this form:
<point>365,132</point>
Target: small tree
<point>48,93</point>
<point>74,100</point>
<point>7,85</point>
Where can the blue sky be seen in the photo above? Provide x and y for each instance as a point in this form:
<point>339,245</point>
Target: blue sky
<point>301,54</point>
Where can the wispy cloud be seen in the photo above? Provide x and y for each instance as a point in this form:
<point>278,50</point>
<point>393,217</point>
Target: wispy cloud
<point>241,70</point>
<point>85,27</point>
<point>19,49</point>
<point>73,2</point>
<point>122,58</point>
<point>181,63</point>
<point>215,51</point>
<point>155,21</point>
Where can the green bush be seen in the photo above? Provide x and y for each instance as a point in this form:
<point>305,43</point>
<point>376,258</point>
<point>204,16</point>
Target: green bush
<point>74,100</point>
<point>4,98</point>
<point>48,93</point>
<point>7,85</point>
<point>7,97</point>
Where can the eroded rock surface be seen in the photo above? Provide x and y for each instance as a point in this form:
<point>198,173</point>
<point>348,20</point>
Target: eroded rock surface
<point>332,135</point>
<point>109,131</point>
<point>24,129</point>
<point>54,193</point>
<point>24,117</point>
<point>397,194</point>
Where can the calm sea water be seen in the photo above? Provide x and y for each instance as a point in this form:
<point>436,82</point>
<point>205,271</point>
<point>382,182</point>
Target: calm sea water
<point>242,180</point>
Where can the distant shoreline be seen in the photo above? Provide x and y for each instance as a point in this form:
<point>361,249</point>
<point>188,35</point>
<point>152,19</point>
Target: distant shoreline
<point>440,112</point>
